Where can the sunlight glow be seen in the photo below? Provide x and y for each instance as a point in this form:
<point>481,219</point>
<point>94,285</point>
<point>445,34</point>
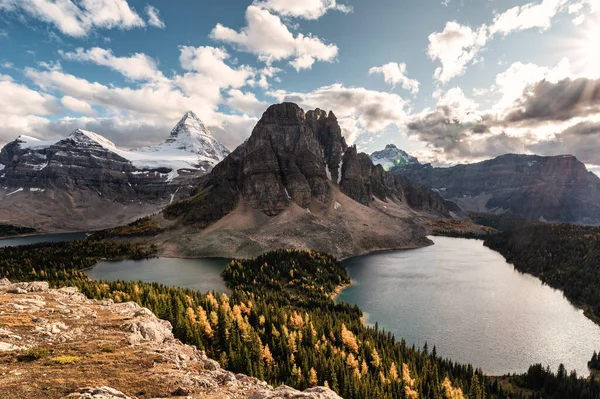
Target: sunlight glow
<point>587,49</point>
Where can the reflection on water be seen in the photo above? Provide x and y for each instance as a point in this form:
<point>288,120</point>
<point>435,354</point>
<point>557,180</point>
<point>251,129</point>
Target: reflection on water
<point>473,306</point>
<point>200,274</point>
<point>12,242</point>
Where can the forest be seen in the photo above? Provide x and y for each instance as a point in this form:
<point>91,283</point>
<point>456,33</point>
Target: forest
<point>564,256</point>
<point>281,324</point>
<point>8,230</point>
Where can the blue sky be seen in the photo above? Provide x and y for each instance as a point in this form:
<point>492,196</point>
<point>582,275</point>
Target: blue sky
<point>449,81</point>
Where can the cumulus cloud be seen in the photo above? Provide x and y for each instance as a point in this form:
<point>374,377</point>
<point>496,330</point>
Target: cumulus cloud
<point>19,100</point>
<point>79,106</point>
<point>560,101</point>
<point>270,39</point>
<point>513,82</point>
<point>210,62</point>
<point>458,45</point>
<point>358,109</point>
<point>154,17</point>
<point>528,16</point>
<point>245,102</point>
<point>135,67</point>
<point>77,19</point>
<point>152,106</point>
<point>581,139</point>
<point>21,107</point>
<point>581,8</point>
<point>545,110</point>
<point>455,47</point>
<point>395,73</point>
<point>308,9</point>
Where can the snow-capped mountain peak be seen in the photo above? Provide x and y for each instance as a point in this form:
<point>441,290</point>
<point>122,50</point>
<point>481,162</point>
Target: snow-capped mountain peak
<point>190,122</point>
<point>86,138</point>
<point>392,156</point>
<point>191,135</point>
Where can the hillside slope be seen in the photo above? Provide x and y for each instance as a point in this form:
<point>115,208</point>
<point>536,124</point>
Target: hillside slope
<point>56,343</point>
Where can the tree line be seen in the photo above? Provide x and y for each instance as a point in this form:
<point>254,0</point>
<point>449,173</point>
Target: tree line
<point>281,324</point>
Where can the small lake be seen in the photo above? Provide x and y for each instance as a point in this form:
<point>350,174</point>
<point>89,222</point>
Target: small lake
<point>14,241</point>
<point>473,306</point>
<point>199,274</point>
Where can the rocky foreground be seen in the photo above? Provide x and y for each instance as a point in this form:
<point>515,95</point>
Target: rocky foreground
<point>56,343</point>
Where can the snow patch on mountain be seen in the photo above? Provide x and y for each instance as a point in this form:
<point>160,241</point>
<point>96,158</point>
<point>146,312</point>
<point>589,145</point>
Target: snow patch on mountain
<point>392,156</point>
<point>190,146</point>
<point>28,142</point>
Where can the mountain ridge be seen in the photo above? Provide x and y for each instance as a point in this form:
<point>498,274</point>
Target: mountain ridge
<point>295,183</point>
<point>544,188</point>
<point>84,181</point>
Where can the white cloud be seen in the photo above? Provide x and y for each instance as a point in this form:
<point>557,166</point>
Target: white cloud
<point>20,107</point>
<point>308,9</point>
<point>266,36</point>
<point>210,62</point>
<point>19,100</point>
<point>136,67</point>
<point>455,47</point>
<point>458,45</point>
<point>581,8</point>
<point>358,109</point>
<point>78,106</point>
<point>154,17</point>
<point>531,15</point>
<point>152,106</point>
<point>246,102</point>
<point>513,82</point>
<point>80,18</point>
<point>147,101</point>
<point>395,73</point>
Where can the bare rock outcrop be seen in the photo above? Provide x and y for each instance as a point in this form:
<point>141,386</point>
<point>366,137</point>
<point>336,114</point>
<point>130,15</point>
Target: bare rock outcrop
<point>98,349</point>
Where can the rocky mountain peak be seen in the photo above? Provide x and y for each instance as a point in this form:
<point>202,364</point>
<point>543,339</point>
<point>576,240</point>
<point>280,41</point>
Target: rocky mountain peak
<point>191,135</point>
<point>189,123</point>
<point>391,156</point>
<point>284,113</point>
<point>84,138</point>
<point>290,158</point>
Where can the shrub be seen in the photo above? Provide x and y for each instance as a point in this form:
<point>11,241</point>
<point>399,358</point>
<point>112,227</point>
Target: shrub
<point>33,354</point>
<point>65,359</point>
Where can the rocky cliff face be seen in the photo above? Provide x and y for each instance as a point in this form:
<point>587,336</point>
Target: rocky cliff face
<point>74,347</point>
<point>557,188</point>
<point>64,178</point>
<point>297,167</point>
<point>291,158</point>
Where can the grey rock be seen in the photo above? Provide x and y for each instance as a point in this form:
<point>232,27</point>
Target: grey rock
<point>285,392</point>
<point>97,393</point>
<point>290,158</point>
<point>555,188</point>
<point>148,329</point>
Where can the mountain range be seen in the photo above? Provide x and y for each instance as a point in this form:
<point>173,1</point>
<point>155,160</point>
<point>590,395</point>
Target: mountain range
<point>84,181</point>
<point>541,188</point>
<point>295,183</point>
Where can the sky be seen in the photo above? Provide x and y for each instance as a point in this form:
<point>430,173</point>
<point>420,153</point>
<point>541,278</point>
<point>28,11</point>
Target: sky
<point>449,81</point>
